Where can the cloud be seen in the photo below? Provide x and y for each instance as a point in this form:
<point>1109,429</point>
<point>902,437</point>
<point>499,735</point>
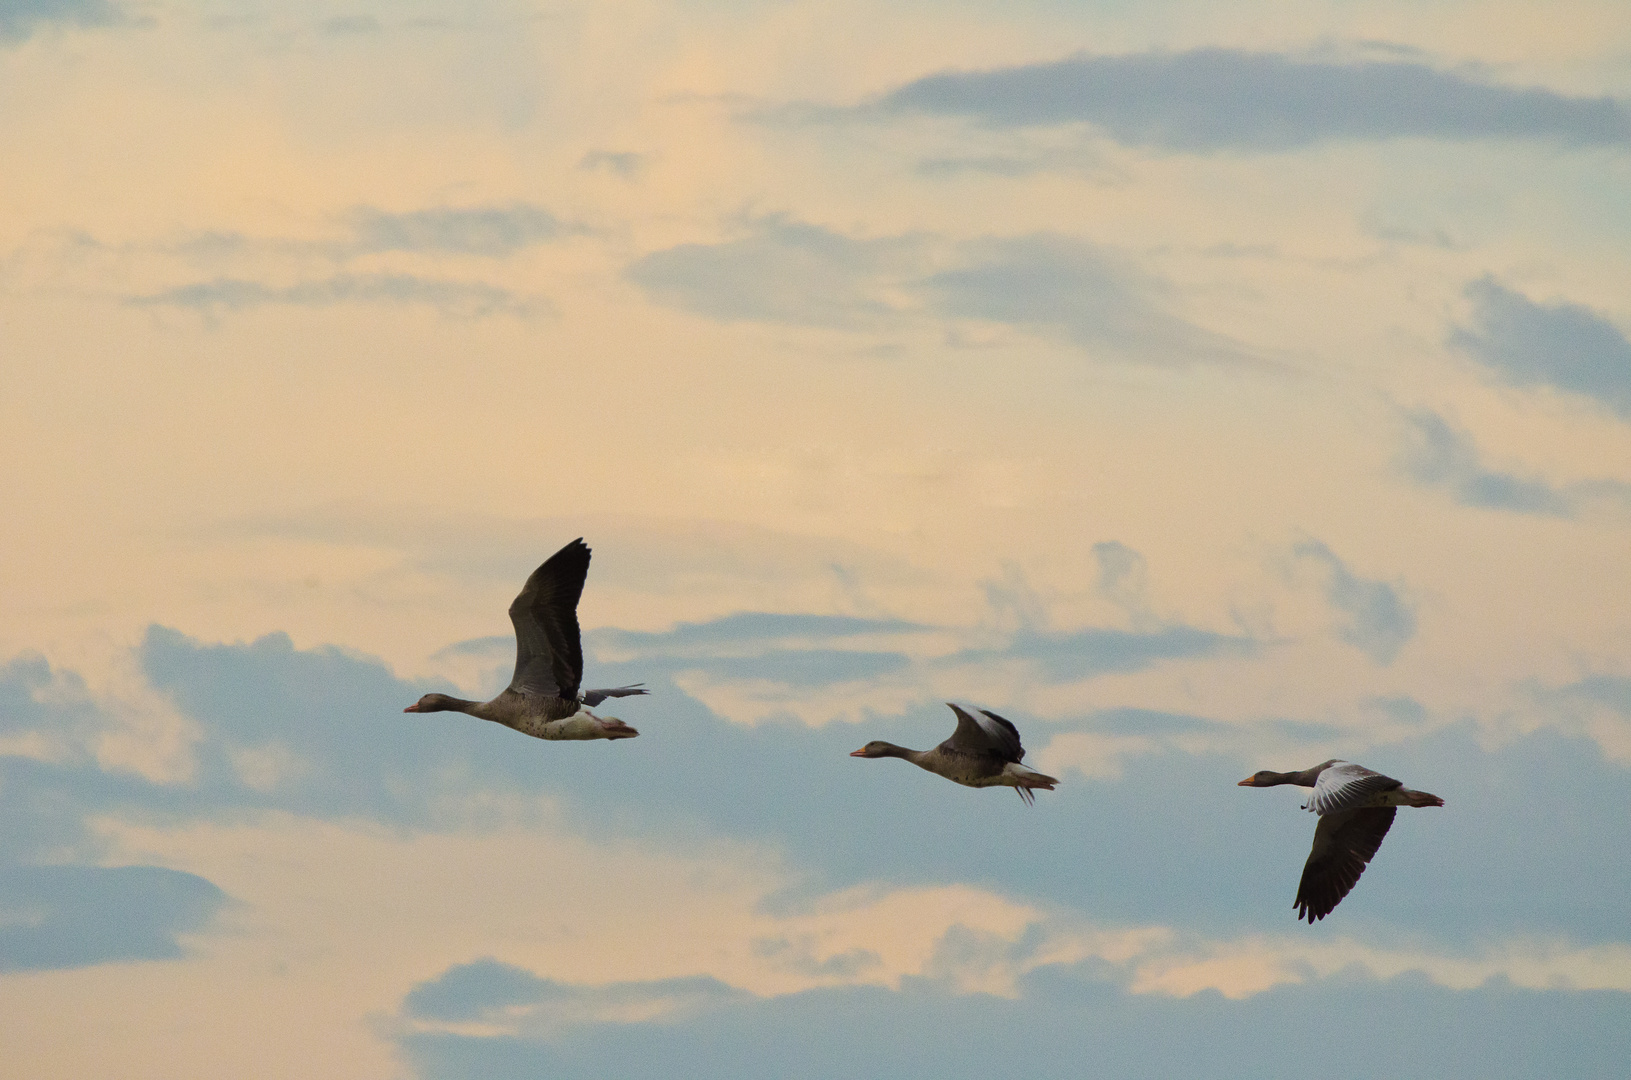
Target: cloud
<point>1062,286</point>
<point>1437,455</point>
<point>494,992</point>
<point>467,299</point>
<point>1380,620</point>
<point>792,789</point>
<point>782,271</point>
<point>492,231</point>
<point>926,1029</point>
<point>21,19</point>
<point>74,916</point>
<point>1083,654</point>
<point>757,627</point>
<point>1043,283</point>
<point>1565,346</point>
<point>1217,99</point>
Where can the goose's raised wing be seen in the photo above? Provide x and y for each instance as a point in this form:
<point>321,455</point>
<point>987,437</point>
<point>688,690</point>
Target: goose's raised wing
<point>985,733</point>
<point>1342,785</point>
<point>1343,843</point>
<point>592,698</point>
<point>548,650</point>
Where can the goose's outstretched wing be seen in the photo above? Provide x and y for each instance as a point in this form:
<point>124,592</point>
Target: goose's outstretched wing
<point>1343,843</point>
<point>986,734</point>
<point>592,698</point>
<point>548,650</point>
<point>1343,785</point>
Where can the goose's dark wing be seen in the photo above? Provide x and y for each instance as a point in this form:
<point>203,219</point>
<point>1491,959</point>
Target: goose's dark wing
<point>985,733</point>
<point>592,698</point>
<point>548,652</point>
<point>1342,785</point>
<point>1343,843</point>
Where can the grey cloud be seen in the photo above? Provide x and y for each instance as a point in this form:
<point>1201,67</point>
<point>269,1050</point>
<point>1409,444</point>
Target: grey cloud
<point>74,916</point>
<point>807,275</point>
<point>1072,288</point>
<point>1567,346</point>
<point>1214,99</point>
<point>1611,690</point>
<point>1083,654</point>
<point>21,19</point>
<point>1380,621</point>
<point>1438,456</point>
<point>495,992</point>
<point>468,299</point>
<point>783,271</point>
<point>492,231</point>
<point>1124,579</point>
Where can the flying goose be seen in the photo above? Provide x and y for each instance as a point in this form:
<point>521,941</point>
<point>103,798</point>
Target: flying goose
<point>1356,808</point>
<point>543,699</point>
<point>984,751</point>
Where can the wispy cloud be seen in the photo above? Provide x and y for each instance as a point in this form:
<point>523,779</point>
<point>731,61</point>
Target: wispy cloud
<point>1216,99</point>
<point>782,271</point>
<point>490,230</point>
<point>1561,345</point>
<point>21,19</point>
<point>1048,284</point>
<point>1070,288</point>
<point>1436,455</point>
<point>490,991</point>
<point>469,299</point>
<point>1379,619</point>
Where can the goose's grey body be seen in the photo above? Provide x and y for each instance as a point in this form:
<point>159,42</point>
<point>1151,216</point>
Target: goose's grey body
<point>984,751</point>
<point>544,698</point>
<point>1356,808</point>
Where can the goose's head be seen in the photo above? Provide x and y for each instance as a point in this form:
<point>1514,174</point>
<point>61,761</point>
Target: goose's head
<point>434,703</point>
<point>1265,778</point>
<point>875,748</point>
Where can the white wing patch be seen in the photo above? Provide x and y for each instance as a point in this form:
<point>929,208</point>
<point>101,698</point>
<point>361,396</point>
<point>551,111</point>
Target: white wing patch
<point>1342,785</point>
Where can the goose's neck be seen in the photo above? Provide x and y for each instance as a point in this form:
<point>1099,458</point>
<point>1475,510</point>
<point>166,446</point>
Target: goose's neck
<point>914,756</point>
<point>1304,778</point>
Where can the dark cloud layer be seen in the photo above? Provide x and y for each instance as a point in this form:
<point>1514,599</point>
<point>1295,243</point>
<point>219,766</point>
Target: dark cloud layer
<point>1216,99</point>
<point>74,916</point>
<point>1074,1021</point>
<point>1504,857</point>
<point>1565,346</point>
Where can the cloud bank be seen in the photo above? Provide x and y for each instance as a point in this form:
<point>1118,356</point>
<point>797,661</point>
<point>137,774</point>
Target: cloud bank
<point>1207,100</point>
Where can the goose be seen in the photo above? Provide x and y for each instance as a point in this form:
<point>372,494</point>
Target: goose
<point>543,699</point>
<point>984,751</point>
<point>1356,807</point>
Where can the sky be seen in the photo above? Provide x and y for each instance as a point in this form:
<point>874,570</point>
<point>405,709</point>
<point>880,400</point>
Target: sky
<point>1205,388</point>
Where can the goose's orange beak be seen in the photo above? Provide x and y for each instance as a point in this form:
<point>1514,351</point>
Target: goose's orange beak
<point>858,753</point>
